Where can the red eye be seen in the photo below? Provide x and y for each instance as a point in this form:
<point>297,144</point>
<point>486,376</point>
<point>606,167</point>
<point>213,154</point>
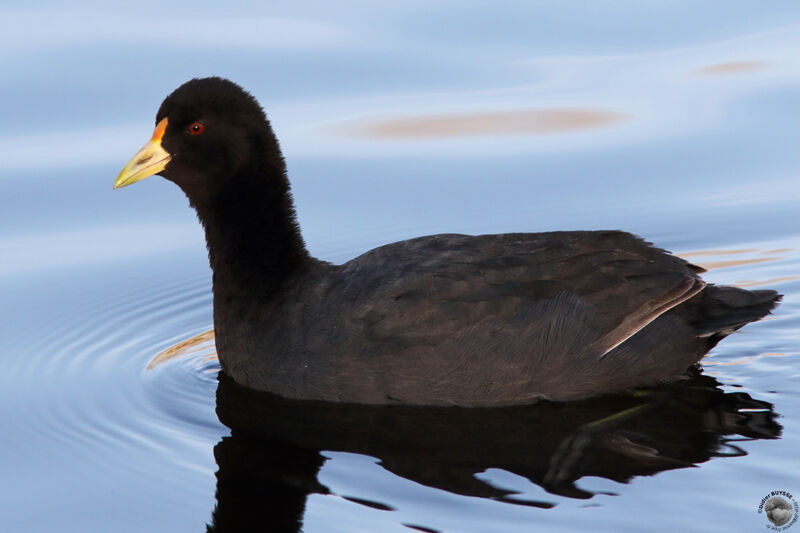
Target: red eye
<point>196,128</point>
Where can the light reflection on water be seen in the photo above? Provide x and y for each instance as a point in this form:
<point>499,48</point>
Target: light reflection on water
<point>692,144</point>
<point>517,122</point>
<point>731,67</point>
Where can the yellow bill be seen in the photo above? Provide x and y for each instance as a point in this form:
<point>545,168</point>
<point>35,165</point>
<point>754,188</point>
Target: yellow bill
<point>151,159</point>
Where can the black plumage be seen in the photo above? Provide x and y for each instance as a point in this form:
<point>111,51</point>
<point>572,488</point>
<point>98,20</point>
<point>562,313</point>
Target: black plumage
<point>439,320</point>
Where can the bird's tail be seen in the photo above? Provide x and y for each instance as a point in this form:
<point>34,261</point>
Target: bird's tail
<point>722,310</point>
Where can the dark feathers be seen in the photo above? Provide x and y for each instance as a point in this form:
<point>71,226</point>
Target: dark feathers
<point>444,319</point>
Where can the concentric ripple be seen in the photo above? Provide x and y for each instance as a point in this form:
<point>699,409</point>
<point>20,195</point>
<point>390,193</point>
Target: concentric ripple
<point>81,390</point>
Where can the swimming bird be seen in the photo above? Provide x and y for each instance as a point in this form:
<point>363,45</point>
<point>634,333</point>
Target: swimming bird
<point>484,320</point>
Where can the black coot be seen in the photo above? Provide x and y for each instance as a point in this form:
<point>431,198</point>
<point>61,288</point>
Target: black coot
<point>439,320</point>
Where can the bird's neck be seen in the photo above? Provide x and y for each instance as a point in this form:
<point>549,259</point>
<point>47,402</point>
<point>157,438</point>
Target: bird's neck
<point>254,242</point>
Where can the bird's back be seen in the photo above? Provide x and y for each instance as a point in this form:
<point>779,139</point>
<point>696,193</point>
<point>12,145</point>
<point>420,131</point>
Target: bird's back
<point>492,319</point>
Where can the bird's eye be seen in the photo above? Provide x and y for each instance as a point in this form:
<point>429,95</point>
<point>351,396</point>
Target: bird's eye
<point>196,128</point>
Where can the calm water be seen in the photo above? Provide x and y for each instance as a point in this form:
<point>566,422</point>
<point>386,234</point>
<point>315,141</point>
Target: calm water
<point>672,121</point>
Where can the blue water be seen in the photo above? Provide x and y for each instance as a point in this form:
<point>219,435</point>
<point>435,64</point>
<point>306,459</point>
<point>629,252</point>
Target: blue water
<point>700,157</point>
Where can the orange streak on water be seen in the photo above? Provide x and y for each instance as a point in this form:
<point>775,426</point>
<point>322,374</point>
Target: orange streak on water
<point>188,346</point>
<point>730,67</point>
<point>717,252</point>
<point>516,122</point>
<point>757,283</point>
<point>736,262</point>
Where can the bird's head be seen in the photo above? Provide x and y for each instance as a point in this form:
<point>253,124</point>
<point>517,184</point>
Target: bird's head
<point>206,132</point>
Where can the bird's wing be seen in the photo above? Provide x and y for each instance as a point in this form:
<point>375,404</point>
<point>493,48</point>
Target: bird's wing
<point>423,291</point>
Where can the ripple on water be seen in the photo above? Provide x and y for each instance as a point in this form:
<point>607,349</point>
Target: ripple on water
<point>182,381</point>
<point>83,392</point>
<point>133,374</point>
<point>755,356</point>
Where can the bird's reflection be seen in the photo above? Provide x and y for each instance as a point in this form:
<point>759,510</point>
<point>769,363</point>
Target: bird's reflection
<point>268,466</point>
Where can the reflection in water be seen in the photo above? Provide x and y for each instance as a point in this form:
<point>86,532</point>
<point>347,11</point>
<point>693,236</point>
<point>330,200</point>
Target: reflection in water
<point>741,361</point>
<point>699,253</point>
<point>747,256</point>
<point>517,122</point>
<point>731,67</point>
<point>761,283</point>
<point>736,262</point>
<point>199,343</point>
<point>711,265</point>
<point>269,465</point>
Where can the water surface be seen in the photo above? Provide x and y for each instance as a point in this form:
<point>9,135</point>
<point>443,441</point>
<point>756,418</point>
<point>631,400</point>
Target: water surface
<point>396,121</point>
